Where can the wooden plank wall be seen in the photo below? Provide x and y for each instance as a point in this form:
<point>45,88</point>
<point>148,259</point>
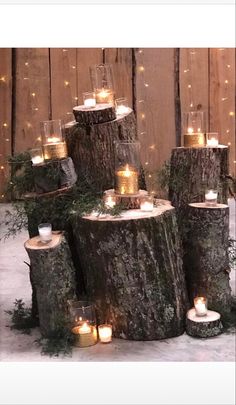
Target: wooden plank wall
<point>40,83</point>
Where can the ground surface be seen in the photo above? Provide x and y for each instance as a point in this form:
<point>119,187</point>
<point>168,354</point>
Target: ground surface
<point>14,283</point>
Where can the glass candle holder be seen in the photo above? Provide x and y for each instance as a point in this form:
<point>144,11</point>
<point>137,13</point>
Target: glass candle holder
<point>89,99</point>
<point>45,232</point>
<point>127,164</point>
<point>200,304</point>
<point>193,129</point>
<point>36,156</point>
<point>147,203</point>
<point>102,83</point>
<point>109,199</point>
<point>83,321</point>
<point>105,333</point>
<point>121,106</point>
<point>211,197</point>
<point>212,139</point>
<point>54,146</point>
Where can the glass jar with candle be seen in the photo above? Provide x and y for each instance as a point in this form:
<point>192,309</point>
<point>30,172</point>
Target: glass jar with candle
<point>102,83</point>
<point>83,321</point>
<point>200,305</point>
<point>127,165</point>
<point>54,146</point>
<point>193,129</point>
<point>105,333</point>
<point>212,139</point>
<point>36,156</point>
<point>121,106</point>
<point>109,199</point>
<point>147,203</point>
<point>45,232</point>
<point>89,99</point>
<point>211,197</point>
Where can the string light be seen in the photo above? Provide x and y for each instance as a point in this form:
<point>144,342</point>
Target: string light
<point>226,81</point>
<point>5,125</point>
<point>3,79</point>
<point>142,115</point>
<point>26,63</point>
<point>146,84</point>
<point>228,66</point>
<point>231,114</point>
<point>73,66</point>
<point>224,98</point>
<point>66,83</point>
<point>189,86</point>
<point>2,167</point>
<point>33,94</point>
<point>141,68</point>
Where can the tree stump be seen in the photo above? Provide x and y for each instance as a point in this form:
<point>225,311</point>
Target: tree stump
<point>54,175</point>
<point>206,259</point>
<point>97,115</point>
<point>192,170</point>
<point>92,149</point>
<point>205,326</point>
<point>133,270</point>
<point>53,277</point>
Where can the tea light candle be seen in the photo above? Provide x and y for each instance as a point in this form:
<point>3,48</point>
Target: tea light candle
<point>211,197</point>
<point>89,99</point>
<point>45,232</point>
<point>127,180</point>
<point>200,304</point>
<point>86,335</point>
<point>36,160</point>
<point>212,139</point>
<point>121,109</point>
<point>105,333</point>
<point>104,96</point>
<point>146,204</point>
<point>109,200</point>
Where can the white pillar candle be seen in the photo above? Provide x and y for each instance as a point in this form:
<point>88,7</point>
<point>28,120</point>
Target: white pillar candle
<point>90,102</point>
<point>105,333</point>
<point>200,304</point>
<point>45,232</point>
<point>36,160</point>
<point>211,197</point>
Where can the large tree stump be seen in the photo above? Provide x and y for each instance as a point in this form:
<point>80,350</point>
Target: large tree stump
<point>92,149</point>
<point>53,276</point>
<point>96,115</point>
<point>54,175</point>
<point>133,270</point>
<point>203,327</point>
<point>193,170</point>
<point>206,260</point>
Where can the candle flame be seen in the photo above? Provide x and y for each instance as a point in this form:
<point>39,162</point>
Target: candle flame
<point>53,139</point>
<point>190,130</point>
<point>127,171</point>
<point>85,328</point>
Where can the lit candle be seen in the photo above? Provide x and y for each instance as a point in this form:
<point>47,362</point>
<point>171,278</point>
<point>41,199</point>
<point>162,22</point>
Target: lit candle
<point>37,160</point>
<point>211,197</point>
<point>190,131</point>
<point>53,139</point>
<point>84,328</point>
<point>85,335</point>
<point>121,109</point>
<point>200,304</point>
<point>45,232</point>
<point>127,180</point>
<point>105,333</point>
<point>104,96</point>
<point>146,203</point>
<point>109,200</point>
<point>89,99</point>
<point>212,139</point>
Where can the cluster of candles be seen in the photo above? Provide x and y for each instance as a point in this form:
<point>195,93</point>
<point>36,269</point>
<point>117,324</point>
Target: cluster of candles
<point>105,96</point>
<point>146,201</point>
<point>86,334</point>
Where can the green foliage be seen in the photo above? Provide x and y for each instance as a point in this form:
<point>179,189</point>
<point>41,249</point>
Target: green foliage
<point>21,317</point>
<point>59,342</point>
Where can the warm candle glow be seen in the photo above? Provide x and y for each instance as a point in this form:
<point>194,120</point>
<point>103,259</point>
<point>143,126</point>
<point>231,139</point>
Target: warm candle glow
<point>105,333</point>
<point>104,96</point>
<point>110,201</point>
<point>211,197</point>
<point>190,130</point>
<point>53,139</point>
<point>84,328</point>
<point>37,160</point>
<point>200,304</point>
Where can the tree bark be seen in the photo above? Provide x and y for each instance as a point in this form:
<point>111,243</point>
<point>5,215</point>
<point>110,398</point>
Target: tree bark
<point>54,175</point>
<point>92,149</point>
<point>206,259</point>
<point>133,270</point>
<point>203,327</point>
<point>97,115</point>
<point>53,276</point>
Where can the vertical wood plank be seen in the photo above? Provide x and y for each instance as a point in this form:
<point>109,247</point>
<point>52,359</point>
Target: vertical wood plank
<point>32,96</point>
<point>194,81</point>
<point>5,115</point>
<point>63,82</point>
<point>121,61</point>
<point>155,106</point>
<point>86,57</point>
<point>222,98</point>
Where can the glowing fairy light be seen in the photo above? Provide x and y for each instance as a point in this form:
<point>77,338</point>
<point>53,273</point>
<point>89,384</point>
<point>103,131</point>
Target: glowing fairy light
<point>33,94</point>
<point>3,79</point>
<point>5,125</point>
<point>231,113</point>
<point>66,83</point>
<point>141,68</point>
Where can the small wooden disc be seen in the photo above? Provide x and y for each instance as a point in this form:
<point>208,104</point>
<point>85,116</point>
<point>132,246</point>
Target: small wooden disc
<point>96,115</point>
<point>204,205</point>
<point>203,326</point>
<point>36,244</point>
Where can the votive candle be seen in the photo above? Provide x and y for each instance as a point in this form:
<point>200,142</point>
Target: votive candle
<point>211,197</point>
<point>45,232</point>
<point>105,333</point>
<point>200,304</point>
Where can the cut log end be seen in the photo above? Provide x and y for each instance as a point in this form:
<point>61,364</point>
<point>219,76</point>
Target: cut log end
<point>96,115</point>
<point>205,326</point>
<point>36,244</point>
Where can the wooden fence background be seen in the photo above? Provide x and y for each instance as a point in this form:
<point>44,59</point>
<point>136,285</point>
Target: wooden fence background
<point>160,83</point>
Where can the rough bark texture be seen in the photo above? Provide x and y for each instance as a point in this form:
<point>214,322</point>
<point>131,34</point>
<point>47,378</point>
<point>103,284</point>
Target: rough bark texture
<point>54,175</point>
<point>92,149</point>
<point>204,329</point>
<point>133,271</point>
<point>97,115</point>
<point>53,276</point>
<point>206,260</point>
<point>195,169</point>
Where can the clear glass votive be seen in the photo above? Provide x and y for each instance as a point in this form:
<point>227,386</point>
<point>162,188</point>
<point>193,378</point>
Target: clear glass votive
<point>200,304</point>
<point>121,106</point>
<point>212,139</point>
<point>109,199</point>
<point>45,232</point>
<point>36,156</point>
<point>89,99</point>
<point>211,197</point>
<point>105,333</point>
<point>147,203</point>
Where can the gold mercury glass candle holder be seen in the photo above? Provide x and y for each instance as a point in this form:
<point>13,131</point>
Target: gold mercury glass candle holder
<point>127,165</point>
<point>200,305</point>
<point>54,146</point>
<point>211,198</point>
<point>83,319</point>
<point>193,129</point>
<point>212,139</point>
